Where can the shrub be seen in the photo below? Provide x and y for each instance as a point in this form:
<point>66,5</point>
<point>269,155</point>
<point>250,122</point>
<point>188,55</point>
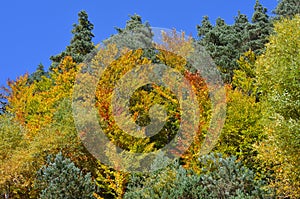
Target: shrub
<point>62,179</point>
<point>220,178</point>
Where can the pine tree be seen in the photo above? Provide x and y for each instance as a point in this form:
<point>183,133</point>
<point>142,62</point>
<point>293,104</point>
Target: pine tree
<point>135,35</point>
<point>81,43</point>
<point>241,28</point>
<point>222,44</point>
<point>226,43</point>
<point>260,29</point>
<point>220,178</point>
<point>38,74</point>
<point>3,103</point>
<point>287,8</point>
<point>205,27</point>
<point>62,179</point>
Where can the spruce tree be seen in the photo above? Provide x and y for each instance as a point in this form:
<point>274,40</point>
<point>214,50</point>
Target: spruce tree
<point>205,27</point>
<point>81,43</point>
<point>260,29</point>
<point>136,34</point>
<point>38,74</point>
<point>3,104</point>
<point>222,44</point>
<point>60,178</point>
<point>226,43</point>
<point>241,28</point>
<point>287,8</point>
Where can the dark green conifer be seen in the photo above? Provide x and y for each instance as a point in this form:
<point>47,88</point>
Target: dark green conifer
<point>241,28</point>
<point>222,44</point>
<point>136,34</point>
<point>260,29</point>
<point>287,8</point>
<point>81,43</point>
<point>205,27</point>
<point>38,74</point>
<point>60,178</point>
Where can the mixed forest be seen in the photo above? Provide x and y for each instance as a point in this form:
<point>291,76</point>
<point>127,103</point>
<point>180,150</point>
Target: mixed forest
<point>256,155</point>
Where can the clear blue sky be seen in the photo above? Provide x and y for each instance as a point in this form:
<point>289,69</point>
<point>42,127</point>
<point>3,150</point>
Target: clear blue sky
<point>33,30</point>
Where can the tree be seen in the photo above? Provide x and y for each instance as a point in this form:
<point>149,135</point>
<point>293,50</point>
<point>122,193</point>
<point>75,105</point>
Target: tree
<point>38,74</point>
<point>44,111</point>
<point>221,177</point>
<point>205,27</point>
<point>287,8</point>
<point>81,43</point>
<point>260,29</point>
<point>242,130</point>
<point>226,43</point>
<point>241,28</point>
<point>3,103</point>
<point>11,136</point>
<point>278,72</point>
<point>60,178</point>
<point>136,34</point>
<point>221,42</point>
<point>244,78</point>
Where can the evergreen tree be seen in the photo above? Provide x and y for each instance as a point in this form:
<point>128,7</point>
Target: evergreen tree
<point>222,44</point>
<point>205,27</point>
<point>62,179</point>
<point>220,178</point>
<point>38,74</point>
<point>136,34</point>
<point>2,104</point>
<point>81,43</point>
<point>287,8</point>
<point>226,43</point>
<point>241,28</point>
<point>260,29</point>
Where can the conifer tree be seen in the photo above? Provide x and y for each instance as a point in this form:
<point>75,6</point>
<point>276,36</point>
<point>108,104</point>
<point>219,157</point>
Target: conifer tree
<point>222,44</point>
<point>226,43</point>
<point>2,103</point>
<point>62,179</point>
<point>38,74</point>
<point>241,27</point>
<point>136,34</point>
<point>81,43</point>
<point>260,28</point>
<point>287,8</point>
<point>205,27</point>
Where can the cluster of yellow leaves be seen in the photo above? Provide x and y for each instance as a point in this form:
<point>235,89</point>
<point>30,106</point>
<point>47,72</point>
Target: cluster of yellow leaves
<point>278,78</point>
<point>34,106</point>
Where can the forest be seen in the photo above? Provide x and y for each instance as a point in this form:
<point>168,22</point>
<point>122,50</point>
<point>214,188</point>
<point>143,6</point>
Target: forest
<point>45,148</point>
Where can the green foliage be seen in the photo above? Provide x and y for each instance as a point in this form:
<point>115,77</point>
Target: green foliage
<point>43,110</point>
<point>278,72</point>
<point>287,8</point>
<point>244,78</point>
<point>3,101</point>
<point>136,34</point>
<point>11,134</point>
<point>228,178</point>
<point>81,43</point>
<point>261,131</point>
<point>226,43</point>
<point>220,178</point>
<point>260,29</point>
<point>242,130</point>
<point>221,42</point>
<point>38,74</point>
<point>60,178</point>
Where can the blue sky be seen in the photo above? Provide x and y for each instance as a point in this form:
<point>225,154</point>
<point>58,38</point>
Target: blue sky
<point>33,30</point>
